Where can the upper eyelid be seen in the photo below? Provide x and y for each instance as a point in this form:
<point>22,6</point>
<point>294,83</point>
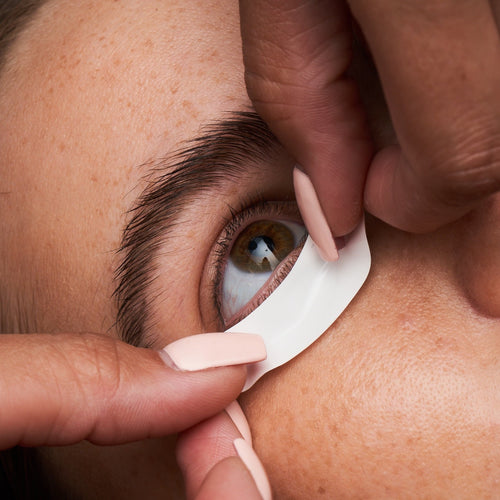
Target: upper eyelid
<point>226,151</point>
<point>260,208</point>
<point>222,245</point>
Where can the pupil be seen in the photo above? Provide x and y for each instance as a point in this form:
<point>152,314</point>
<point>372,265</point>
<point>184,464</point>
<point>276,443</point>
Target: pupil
<point>261,246</point>
<point>267,242</point>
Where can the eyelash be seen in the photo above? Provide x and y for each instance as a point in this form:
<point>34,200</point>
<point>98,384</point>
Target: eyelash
<point>223,245</point>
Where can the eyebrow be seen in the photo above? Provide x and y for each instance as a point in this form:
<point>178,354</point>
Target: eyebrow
<point>15,16</point>
<point>222,152</point>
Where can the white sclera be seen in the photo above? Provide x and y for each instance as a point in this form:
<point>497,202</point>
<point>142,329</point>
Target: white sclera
<point>307,302</point>
<point>239,287</point>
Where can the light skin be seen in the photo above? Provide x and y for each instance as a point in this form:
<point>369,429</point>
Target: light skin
<point>398,399</point>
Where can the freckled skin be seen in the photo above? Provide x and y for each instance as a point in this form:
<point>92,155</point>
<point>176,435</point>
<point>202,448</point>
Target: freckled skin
<point>402,393</point>
<point>399,399</point>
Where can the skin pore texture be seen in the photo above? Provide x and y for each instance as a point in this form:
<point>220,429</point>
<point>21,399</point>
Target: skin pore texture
<point>398,399</point>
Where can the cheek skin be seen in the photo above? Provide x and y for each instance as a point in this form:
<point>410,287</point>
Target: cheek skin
<point>399,396</point>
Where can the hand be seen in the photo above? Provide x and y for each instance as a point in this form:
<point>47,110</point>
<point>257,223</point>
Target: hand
<point>61,389</point>
<point>439,67</point>
<point>211,442</point>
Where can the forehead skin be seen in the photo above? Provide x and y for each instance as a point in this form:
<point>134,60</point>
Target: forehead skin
<point>399,399</point>
<point>107,86</point>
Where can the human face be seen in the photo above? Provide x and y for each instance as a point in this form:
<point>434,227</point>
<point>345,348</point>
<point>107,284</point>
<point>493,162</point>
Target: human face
<point>399,398</point>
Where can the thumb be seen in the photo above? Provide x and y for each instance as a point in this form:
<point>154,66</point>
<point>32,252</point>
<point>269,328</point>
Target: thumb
<point>296,55</point>
<point>60,389</point>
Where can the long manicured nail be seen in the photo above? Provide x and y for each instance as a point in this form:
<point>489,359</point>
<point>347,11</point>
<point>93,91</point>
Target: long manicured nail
<point>313,215</point>
<point>238,417</point>
<point>254,466</point>
<point>210,350</point>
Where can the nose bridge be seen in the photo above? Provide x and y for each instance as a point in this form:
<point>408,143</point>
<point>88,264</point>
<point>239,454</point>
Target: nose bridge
<point>478,262</point>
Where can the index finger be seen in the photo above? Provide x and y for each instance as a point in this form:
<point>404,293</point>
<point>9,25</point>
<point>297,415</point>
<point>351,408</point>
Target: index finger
<point>296,55</point>
<point>207,454</point>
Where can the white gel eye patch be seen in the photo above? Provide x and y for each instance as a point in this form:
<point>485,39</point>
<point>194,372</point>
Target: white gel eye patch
<point>307,302</point>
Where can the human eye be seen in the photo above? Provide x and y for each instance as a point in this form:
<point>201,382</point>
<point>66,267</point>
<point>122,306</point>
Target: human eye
<point>251,256</point>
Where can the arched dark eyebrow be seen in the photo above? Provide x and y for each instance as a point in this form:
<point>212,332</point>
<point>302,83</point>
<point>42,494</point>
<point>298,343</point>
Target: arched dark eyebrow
<point>222,152</point>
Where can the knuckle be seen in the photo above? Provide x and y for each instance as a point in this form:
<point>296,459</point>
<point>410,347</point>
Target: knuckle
<point>80,375</point>
<point>102,368</point>
<point>466,172</point>
<point>275,100</point>
<point>282,99</point>
<point>94,367</point>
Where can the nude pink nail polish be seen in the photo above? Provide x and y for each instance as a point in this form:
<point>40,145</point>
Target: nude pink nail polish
<point>313,215</point>
<point>238,417</point>
<point>211,350</point>
<point>254,466</point>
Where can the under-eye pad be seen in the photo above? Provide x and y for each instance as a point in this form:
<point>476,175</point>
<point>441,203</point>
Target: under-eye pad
<point>307,302</point>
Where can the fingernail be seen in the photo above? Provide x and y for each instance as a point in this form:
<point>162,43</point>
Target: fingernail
<point>254,466</point>
<point>313,215</point>
<point>210,350</point>
<point>238,417</point>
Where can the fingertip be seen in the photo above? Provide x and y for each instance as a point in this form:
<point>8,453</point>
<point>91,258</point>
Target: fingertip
<point>227,477</point>
<point>328,217</point>
<point>236,414</point>
<point>254,466</point>
<point>396,194</point>
<point>211,350</point>
<point>340,193</point>
<point>347,222</point>
<point>202,446</point>
<point>379,182</point>
<point>313,215</point>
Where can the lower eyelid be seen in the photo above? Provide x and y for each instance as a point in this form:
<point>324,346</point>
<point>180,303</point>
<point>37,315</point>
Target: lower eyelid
<point>233,222</point>
<point>278,275</point>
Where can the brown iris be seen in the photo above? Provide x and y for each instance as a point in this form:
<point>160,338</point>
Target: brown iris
<point>261,246</point>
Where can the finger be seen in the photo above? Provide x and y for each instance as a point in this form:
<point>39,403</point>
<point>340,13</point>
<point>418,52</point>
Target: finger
<point>60,389</point>
<point>203,453</point>
<point>296,55</point>
<point>438,64</point>
<point>203,446</point>
<point>227,480</point>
